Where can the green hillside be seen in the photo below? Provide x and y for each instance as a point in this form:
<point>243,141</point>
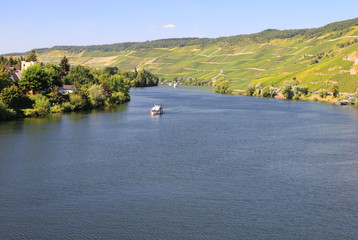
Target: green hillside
<point>316,57</point>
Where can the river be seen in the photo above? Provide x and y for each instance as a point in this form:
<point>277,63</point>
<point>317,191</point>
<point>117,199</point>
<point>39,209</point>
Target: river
<point>211,167</point>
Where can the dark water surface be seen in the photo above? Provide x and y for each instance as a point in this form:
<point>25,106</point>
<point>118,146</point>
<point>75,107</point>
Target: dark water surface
<point>211,167</point>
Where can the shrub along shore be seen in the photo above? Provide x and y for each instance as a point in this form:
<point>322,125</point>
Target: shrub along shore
<point>292,90</point>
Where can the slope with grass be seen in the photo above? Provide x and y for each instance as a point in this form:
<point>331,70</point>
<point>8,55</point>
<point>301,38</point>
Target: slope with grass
<point>317,57</point>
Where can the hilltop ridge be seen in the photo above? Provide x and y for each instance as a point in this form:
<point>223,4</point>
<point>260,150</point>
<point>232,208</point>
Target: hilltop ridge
<point>317,57</point>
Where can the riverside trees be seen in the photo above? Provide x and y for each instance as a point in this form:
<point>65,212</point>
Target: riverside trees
<point>291,90</point>
<point>93,88</point>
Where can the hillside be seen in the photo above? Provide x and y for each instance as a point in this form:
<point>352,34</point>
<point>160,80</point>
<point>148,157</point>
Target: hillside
<point>317,57</point>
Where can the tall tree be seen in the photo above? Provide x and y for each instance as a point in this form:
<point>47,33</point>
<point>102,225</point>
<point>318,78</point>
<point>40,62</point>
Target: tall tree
<point>32,57</point>
<point>64,65</point>
<point>80,74</point>
<point>53,72</point>
<point>35,78</point>
<point>14,99</point>
<point>5,80</point>
<point>110,70</point>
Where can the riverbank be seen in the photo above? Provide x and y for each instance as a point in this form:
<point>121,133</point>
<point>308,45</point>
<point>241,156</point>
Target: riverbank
<point>312,97</point>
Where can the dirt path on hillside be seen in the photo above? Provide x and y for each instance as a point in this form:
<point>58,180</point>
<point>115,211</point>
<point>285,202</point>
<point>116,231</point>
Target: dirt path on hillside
<point>220,74</point>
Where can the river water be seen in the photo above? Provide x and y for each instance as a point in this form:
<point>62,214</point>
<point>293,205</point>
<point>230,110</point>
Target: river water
<point>211,167</point>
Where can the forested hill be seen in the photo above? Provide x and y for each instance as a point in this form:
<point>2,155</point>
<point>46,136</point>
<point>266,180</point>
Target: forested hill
<point>261,37</point>
<point>316,57</point>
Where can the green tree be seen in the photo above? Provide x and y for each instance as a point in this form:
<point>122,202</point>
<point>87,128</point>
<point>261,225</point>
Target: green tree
<point>14,99</point>
<point>258,88</point>
<point>64,65</point>
<point>98,74</point>
<point>144,79</point>
<point>42,104</point>
<point>335,90</point>
<point>110,70</point>
<point>119,83</point>
<point>96,95</point>
<point>5,80</point>
<point>35,78</point>
<point>272,92</point>
<point>222,86</point>
<point>32,57</point>
<point>250,90</point>
<point>6,113</point>
<point>289,89</point>
<point>265,92</point>
<point>53,73</point>
<point>107,89</point>
<point>54,96</point>
<point>322,93</point>
<point>80,74</point>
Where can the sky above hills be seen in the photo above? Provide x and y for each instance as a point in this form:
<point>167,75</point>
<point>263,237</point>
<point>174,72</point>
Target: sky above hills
<point>42,23</point>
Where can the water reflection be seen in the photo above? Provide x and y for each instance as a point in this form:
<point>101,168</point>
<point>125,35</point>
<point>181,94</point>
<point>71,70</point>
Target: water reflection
<point>39,121</point>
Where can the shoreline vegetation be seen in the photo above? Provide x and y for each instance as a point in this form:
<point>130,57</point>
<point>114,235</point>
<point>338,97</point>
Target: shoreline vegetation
<point>291,90</point>
<point>49,88</point>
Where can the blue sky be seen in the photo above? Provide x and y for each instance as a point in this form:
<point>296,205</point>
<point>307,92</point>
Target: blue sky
<point>39,23</point>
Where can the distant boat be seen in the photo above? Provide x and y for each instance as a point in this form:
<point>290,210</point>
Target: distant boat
<point>343,102</point>
<point>157,109</point>
<point>175,85</point>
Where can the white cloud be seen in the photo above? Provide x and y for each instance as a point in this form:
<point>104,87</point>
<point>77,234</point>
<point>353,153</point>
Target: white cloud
<point>169,26</point>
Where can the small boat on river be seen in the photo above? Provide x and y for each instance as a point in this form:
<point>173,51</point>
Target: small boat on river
<point>343,102</point>
<point>157,109</point>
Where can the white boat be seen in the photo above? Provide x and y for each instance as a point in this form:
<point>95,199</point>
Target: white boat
<point>157,109</point>
<point>175,85</point>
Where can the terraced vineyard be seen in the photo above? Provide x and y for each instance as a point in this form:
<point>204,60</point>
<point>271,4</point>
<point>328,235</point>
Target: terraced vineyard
<point>316,57</point>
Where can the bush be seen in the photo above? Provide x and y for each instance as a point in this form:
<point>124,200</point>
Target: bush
<point>258,88</point>
<point>14,99</point>
<point>38,112</point>
<point>268,91</point>
<point>250,90</point>
<point>6,114</point>
<point>96,95</point>
<point>55,109</point>
<point>322,93</point>
<point>80,74</point>
<point>67,107</point>
<point>55,97</point>
<point>335,90</point>
<point>116,98</point>
<point>287,89</point>
<point>222,85</point>
<point>42,104</point>
<point>77,102</point>
<point>291,88</point>
<point>29,112</point>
